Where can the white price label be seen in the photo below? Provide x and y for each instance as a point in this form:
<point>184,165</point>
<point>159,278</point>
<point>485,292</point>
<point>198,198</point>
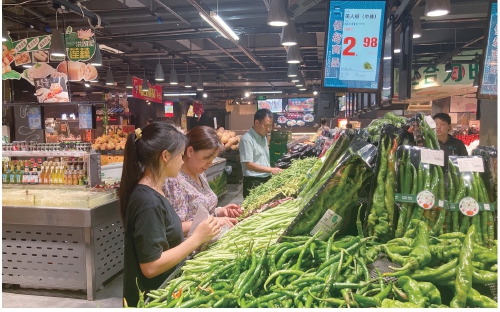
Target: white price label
<point>433,157</point>
<point>327,224</point>
<point>470,164</point>
<point>486,207</point>
<point>430,122</point>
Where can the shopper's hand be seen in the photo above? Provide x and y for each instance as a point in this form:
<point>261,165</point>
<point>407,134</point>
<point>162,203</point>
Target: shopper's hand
<point>227,221</point>
<point>276,170</point>
<point>206,230</point>
<point>231,211</point>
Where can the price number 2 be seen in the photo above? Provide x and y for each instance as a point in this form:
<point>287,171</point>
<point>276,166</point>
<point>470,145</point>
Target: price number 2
<point>351,43</point>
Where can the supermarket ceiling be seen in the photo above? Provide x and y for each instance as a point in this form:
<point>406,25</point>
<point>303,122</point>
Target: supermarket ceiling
<point>149,31</point>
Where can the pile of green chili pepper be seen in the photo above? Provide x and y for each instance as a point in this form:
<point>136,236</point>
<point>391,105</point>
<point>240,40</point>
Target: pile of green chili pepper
<point>285,184</point>
<point>463,184</point>
<point>380,220</point>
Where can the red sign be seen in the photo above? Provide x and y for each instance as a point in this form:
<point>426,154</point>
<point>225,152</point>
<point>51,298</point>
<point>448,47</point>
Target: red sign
<point>169,109</point>
<point>154,94</point>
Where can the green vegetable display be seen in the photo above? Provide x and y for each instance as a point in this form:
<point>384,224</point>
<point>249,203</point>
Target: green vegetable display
<point>285,183</point>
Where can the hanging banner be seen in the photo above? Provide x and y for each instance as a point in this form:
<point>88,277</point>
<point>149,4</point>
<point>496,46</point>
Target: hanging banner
<point>154,94</point>
<point>353,52</point>
<point>169,108</point>
<point>489,81</point>
<point>51,90</point>
<point>80,46</point>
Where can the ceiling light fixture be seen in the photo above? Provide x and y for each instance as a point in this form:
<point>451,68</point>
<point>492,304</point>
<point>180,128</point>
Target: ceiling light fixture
<point>292,70</point>
<point>145,84</point>
<point>179,94</point>
<point>247,94</point>
<point>223,24</point>
<point>128,80</point>
<point>447,67</point>
<point>5,33</point>
<point>437,7</point>
<point>187,80</point>
<point>300,83</point>
<point>96,59</point>
<point>277,15</point>
<point>417,25</point>
<point>159,75</point>
<point>86,83</point>
<point>293,55</point>
<point>315,92</point>
<point>296,78</point>
<point>205,95</point>
<point>57,46</point>
<point>303,88</point>
<point>109,77</point>
<point>173,73</point>
<point>207,19</point>
<point>199,85</point>
<point>266,92</point>
<point>289,34</point>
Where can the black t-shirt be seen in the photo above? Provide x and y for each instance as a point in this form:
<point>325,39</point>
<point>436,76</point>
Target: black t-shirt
<point>152,226</point>
<point>453,147</point>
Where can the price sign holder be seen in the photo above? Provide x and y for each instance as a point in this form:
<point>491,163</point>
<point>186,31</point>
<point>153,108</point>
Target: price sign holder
<point>353,45</point>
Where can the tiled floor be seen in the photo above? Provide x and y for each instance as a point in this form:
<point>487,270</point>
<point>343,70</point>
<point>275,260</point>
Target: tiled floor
<point>109,296</point>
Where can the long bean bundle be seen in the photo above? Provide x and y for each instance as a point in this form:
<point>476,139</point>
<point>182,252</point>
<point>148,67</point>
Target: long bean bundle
<point>285,183</point>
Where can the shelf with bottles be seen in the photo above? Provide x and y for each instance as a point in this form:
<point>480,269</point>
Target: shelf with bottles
<point>50,172</point>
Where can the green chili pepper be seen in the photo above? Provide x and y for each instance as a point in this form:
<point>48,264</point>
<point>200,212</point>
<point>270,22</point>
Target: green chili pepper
<point>412,289</point>
<point>463,281</point>
<point>430,291</point>
<point>390,182</point>
<point>484,277</point>
<point>388,303</point>
<point>420,254</point>
<point>475,299</point>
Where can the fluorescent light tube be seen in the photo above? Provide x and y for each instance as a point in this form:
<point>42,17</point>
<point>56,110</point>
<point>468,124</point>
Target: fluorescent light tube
<point>224,25</point>
<point>212,24</point>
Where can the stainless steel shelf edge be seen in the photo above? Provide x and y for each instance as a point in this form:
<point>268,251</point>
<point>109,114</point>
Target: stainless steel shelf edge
<point>59,216</point>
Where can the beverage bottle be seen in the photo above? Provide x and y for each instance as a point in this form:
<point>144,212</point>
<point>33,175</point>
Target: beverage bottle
<point>19,175</point>
<point>34,175</point>
<point>76,177</point>
<point>46,176</point>
<point>7,170</point>
<point>41,175</point>
<point>39,162</point>
<point>4,172</point>
<point>52,177</point>
<point>26,175</point>
<point>12,174</point>
<point>65,178</point>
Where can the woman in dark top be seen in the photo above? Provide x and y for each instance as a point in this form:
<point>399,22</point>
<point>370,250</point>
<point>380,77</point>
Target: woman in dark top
<point>154,243</point>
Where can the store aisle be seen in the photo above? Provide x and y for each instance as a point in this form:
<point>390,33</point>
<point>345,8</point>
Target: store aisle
<point>109,296</point>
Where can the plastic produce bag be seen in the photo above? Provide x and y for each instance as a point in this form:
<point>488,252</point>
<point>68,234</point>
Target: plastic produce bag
<point>200,215</point>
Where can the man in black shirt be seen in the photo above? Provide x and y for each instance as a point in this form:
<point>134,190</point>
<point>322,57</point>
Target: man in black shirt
<point>450,145</point>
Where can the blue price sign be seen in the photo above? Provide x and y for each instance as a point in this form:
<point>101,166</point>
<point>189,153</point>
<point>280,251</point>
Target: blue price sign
<point>489,84</point>
<point>354,44</point>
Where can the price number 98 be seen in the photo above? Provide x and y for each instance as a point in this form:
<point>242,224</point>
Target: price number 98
<point>351,42</point>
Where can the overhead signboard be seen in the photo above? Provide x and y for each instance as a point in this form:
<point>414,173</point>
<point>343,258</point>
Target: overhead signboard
<point>489,71</point>
<point>154,94</point>
<point>353,42</point>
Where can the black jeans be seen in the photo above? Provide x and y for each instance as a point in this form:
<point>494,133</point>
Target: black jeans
<point>252,182</point>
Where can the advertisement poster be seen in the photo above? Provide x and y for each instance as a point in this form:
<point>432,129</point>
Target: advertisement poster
<point>85,116</point>
<point>353,47</point>
<point>169,109</point>
<point>489,84</point>
<point>294,120</point>
<point>51,90</point>
<point>274,105</point>
<point>463,103</point>
<point>35,50</point>
<point>300,105</point>
<point>154,94</point>
<point>34,118</point>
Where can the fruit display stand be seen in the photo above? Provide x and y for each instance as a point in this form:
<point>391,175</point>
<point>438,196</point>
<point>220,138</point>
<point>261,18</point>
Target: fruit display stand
<point>60,237</point>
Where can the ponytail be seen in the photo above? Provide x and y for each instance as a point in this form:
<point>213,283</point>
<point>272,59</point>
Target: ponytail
<point>131,174</point>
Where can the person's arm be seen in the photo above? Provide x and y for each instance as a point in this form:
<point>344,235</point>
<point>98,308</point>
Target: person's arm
<point>171,257</point>
<point>462,150</point>
<point>258,168</point>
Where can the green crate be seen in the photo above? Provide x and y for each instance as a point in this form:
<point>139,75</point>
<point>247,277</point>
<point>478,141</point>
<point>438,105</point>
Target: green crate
<point>275,155</point>
<point>281,136</point>
<point>278,146</point>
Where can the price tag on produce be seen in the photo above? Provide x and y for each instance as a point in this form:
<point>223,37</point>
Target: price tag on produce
<point>353,47</point>
<point>430,122</point>
<point>433,157</point>
<point>470,164</point>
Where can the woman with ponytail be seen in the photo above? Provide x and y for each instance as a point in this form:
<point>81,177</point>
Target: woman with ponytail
<point>154,242</point>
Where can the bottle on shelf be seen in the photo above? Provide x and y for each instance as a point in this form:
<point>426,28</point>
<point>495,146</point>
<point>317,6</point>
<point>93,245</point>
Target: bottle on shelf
<point>34,175</point>
<point>19,174</point>
<point>65,179</point>
<point>41,175</point>
<point>75,177</point>
<point>46,175</point>
<point>26,175</point>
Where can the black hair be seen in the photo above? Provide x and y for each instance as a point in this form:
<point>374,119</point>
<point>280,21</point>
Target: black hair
<point>146,152</point>
<point>443,117</point>
<point>261,114</point>
<point>323,121</point>
<point>348,125</point>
